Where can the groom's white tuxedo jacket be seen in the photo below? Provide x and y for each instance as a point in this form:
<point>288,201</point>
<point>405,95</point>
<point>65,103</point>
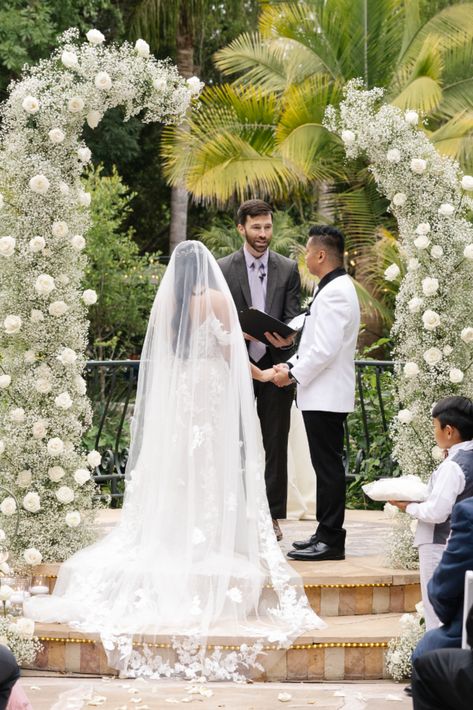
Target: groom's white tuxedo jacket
<point>324,365</point>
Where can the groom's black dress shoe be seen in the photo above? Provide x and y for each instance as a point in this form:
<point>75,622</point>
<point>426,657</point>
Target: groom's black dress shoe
<point>304,544</point>
<point>318,551</point>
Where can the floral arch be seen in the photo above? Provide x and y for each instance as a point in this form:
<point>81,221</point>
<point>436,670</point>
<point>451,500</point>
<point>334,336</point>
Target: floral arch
<point>433,327</point>
<point>45,474</point>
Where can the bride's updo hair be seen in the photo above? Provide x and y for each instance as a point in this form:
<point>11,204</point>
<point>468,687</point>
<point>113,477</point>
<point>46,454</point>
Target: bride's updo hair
<point>192,278</point>
<point>457,412</point>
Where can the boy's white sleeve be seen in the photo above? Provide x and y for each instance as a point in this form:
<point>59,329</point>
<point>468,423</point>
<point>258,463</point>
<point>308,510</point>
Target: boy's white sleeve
<point>449,482</point>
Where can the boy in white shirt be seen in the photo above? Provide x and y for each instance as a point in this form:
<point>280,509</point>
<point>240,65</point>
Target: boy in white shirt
<point>451,482</point>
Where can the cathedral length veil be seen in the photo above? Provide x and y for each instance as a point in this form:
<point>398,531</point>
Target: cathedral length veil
<point>194,557</point>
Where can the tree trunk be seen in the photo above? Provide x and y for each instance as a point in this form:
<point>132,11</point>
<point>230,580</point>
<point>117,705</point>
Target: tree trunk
<point>185,65</point>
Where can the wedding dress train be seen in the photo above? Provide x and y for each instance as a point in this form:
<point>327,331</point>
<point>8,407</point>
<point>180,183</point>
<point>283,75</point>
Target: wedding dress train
<point>194,554</point>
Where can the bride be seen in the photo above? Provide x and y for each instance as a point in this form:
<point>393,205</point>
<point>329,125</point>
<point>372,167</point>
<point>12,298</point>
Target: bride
<point>194,554</point>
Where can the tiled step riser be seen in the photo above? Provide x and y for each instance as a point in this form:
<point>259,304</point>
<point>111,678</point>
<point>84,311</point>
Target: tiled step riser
<point>303,664</point>
<point>363,599</point>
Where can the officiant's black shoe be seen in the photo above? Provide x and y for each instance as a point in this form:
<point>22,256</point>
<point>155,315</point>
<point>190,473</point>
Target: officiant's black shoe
<point>319,551</point>
<point>408,690</point>
<point>304,544</point>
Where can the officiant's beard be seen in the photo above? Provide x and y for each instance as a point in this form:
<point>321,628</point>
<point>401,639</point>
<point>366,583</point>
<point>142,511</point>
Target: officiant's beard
<point>258,242</point>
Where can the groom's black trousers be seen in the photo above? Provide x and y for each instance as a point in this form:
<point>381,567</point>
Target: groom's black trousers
<point>443,680</point>
<point>273,405</point>
<point>325,435</point>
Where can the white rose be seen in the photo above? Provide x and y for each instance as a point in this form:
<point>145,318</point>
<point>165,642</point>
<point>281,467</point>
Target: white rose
<point>467,335</point>
<point>5,381</point>
<point>55,446</point>
<point>78,242</point>
<point>58,308</point>
<point>415,304</point>
<point>446,209</point>
<point>447,350</point>
<point>2,447</point>
<point>411,369</point>
<point>80,384</point>
<point>36,316</point>
<point>413,264</point>
<point>7,246</point>
<point>37,244</point>
<point>43,385</point>
<point>142,48</point>
<point>64,188</point>
<point>39,184</point>
<point>65,495</point>
<point>430,286</point>
<point>103,81</point>
<point>399,199</point>
<point>29,357</point>
<point>39,429</point>
<point>423,228</point>
<point>24,627</point>
<point>405,416</point>
<point>160,85</point>
<point>55,135</point>
<point>432,356</point>
<point>418,165</point>
<point>422,242</point>
<point>95,37</point>
<point>12,324</point>
<point>455,375</point>
<point>8,506</point>
<point>436,252</point>
<point>69,59</point>
<point>393,155</point>
<point>194,84</point>
<point>67,356</point>
<point>437,453</point>
<point>55,473</point>
<point>94,458</point>
<point>431,320</point>
<point>89,297</point>
<point>467,182</point>
<point>73,518</point>
<point>348,137</point>
<point>75,104</point>
<point>17,415</point>
<point>63,401</point>
<point>32,502</point>
<point>84,198</point>
<point>32,556</point>
<point>93,118</point>
<point>30,104</point>
<point>392,272</point>
<point>84,154</point>
<point>468,251</point>
<point>81,476</point>
<point>5,592</point>
<point>44,284</point>
<point>411,117</point>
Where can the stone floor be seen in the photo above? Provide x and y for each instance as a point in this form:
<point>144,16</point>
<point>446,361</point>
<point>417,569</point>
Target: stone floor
<point>53,693</point>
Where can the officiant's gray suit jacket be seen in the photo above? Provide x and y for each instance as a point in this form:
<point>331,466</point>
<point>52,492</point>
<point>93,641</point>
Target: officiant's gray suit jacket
<point>282,289</point>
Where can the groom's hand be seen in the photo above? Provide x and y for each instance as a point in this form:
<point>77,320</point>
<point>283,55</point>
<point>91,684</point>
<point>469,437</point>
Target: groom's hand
<point>278,341</point>
<point>281,378</point>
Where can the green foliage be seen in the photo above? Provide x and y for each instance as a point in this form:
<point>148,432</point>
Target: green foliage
<point>125,281</point>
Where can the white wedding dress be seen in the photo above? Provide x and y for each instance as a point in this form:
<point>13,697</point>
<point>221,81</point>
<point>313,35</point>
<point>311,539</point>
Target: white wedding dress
<point>194,554</point>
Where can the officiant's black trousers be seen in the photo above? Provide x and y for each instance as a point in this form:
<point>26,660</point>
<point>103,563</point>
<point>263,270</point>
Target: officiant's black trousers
<point>325,436</point>
<point>443,680</point>
<point>273,405</point>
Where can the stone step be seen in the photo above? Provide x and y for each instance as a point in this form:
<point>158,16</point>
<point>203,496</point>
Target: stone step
<point>350,648</point>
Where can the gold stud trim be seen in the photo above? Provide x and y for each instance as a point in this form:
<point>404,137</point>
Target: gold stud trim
<point>295,647</point>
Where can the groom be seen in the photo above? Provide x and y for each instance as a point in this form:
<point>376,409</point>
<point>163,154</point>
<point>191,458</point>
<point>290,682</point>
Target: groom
<point>263,279</point>
<point>324,371</point>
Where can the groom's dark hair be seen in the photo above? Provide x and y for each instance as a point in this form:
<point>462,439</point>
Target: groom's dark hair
<point>252,208</point>
<point>330,239</point>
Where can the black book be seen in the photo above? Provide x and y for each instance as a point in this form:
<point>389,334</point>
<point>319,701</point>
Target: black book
<point>256,323</point>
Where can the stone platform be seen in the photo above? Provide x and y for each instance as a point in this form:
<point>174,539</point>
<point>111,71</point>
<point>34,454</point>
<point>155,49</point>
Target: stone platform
<point>360,598</point>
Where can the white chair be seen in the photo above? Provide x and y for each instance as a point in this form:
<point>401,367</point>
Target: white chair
<point>468,602</point>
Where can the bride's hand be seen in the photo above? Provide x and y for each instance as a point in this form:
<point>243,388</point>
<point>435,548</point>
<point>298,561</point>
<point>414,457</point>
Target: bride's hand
<point>267,375</point>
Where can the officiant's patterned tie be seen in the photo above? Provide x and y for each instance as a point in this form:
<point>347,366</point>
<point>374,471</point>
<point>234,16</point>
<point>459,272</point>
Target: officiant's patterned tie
<point>257,276</point>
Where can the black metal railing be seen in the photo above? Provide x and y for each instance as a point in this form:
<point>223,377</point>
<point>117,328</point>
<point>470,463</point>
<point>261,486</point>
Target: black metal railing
<point>111,386</point>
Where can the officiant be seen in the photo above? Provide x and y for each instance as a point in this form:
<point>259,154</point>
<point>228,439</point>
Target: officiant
<point>260,278</point>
